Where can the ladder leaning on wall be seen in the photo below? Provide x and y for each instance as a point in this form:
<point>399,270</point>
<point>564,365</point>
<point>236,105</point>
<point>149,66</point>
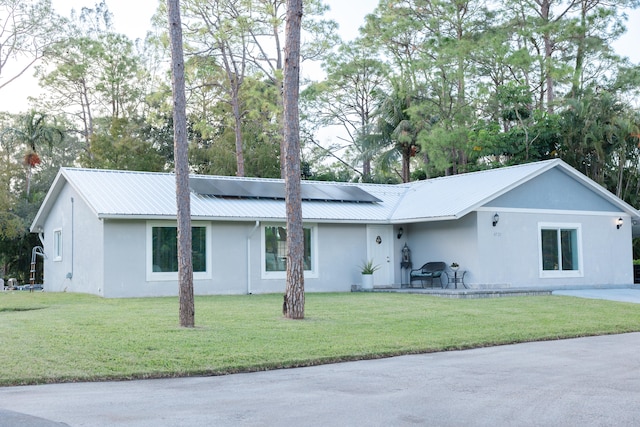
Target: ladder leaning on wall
<point>35,252</point>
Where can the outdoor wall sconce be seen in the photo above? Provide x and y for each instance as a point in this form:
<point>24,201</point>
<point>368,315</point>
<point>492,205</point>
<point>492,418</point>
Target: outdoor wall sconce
<point>619,223</point>
<point>400,232</point>
<point>496,218</point>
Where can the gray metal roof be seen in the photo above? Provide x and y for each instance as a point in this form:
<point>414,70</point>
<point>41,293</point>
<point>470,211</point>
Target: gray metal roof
<point>456,195</point>
<point>146,195</point>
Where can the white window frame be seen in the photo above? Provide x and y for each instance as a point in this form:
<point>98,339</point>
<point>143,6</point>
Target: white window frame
<point>155,276</point>
<point>308,274</point>
<point>57,244</point>
<point>579,272</point>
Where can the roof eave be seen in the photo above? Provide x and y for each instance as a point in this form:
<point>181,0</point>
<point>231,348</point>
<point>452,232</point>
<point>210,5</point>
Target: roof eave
<point>150,217</point>
<point>399,221</point>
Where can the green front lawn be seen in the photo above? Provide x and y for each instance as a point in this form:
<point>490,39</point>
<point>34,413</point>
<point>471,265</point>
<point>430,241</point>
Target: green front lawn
<point>47,337</point>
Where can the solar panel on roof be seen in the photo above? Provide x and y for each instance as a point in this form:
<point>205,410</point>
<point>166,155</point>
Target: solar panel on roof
<point>349,193</point>
<point>344,193</point>
<point>232,188</point>
<point>220,187</point>
<point>266,190</point>
<point>313,192</point>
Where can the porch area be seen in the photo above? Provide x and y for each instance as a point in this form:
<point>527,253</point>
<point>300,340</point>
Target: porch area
<point>624,293</point>
<point>459,293</point>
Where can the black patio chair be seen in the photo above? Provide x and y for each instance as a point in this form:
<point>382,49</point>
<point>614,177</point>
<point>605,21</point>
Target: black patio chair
<point>429,272</point>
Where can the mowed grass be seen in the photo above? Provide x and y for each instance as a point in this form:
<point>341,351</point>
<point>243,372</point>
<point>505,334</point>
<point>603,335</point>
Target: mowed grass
<point>47,337</point>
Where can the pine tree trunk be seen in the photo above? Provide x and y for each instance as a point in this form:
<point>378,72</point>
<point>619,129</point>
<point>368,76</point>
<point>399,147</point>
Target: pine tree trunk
<point>180,147</point>
<point>580,53</point>
<point>545,13</point>
<point>293,306</point>
<point>237,116</point>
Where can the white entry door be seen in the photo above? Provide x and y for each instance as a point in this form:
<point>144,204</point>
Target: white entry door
<point>380,250</point>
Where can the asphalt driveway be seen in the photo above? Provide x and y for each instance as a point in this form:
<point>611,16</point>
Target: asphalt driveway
<point>591,381</point>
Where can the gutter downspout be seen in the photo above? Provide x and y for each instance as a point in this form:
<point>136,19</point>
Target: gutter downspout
<point>253,230</point>
<point>70,273</point>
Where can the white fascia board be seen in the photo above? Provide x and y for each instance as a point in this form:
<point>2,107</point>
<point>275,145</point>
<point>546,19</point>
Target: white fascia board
<point>551,211</point>
<point>237,219</point>
<point>400,221</point>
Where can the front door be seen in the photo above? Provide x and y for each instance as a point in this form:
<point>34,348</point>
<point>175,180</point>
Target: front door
<point>380,250</point>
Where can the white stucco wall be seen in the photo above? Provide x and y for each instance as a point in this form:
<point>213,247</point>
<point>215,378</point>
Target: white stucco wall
<point>340,251</point>
<point>446,241</point>
<point>81,267</point>
<point>125,260</point>
<point>508,255</point>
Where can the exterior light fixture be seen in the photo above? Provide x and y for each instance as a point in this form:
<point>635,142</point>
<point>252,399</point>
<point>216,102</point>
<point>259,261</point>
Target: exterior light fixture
<point>619,223</point>
<point>400,232</point>
<point>496,218</point>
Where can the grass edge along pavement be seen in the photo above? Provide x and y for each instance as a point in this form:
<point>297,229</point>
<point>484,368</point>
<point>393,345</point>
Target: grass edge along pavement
<point>62,337</point>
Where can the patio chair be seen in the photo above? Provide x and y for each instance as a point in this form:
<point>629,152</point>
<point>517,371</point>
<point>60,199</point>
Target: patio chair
<point>429,272</point>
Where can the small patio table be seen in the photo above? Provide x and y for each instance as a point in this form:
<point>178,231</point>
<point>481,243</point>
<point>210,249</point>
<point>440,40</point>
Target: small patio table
<point>457,277</point>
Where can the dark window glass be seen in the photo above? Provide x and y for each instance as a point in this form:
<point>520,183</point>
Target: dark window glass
<point>165,249</point>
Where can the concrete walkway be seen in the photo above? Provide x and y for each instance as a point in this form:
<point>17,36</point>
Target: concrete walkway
<point>622,295</point>
<point>591,381</point>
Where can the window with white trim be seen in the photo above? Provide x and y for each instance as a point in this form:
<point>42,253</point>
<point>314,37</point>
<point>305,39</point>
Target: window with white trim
<point>162,251</point>
<point>274,251</point>
<point>560,250</point>
<point>57,244</point>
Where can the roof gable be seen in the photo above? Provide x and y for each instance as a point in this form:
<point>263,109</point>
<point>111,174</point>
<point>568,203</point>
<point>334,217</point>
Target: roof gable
<point>554,189</point>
